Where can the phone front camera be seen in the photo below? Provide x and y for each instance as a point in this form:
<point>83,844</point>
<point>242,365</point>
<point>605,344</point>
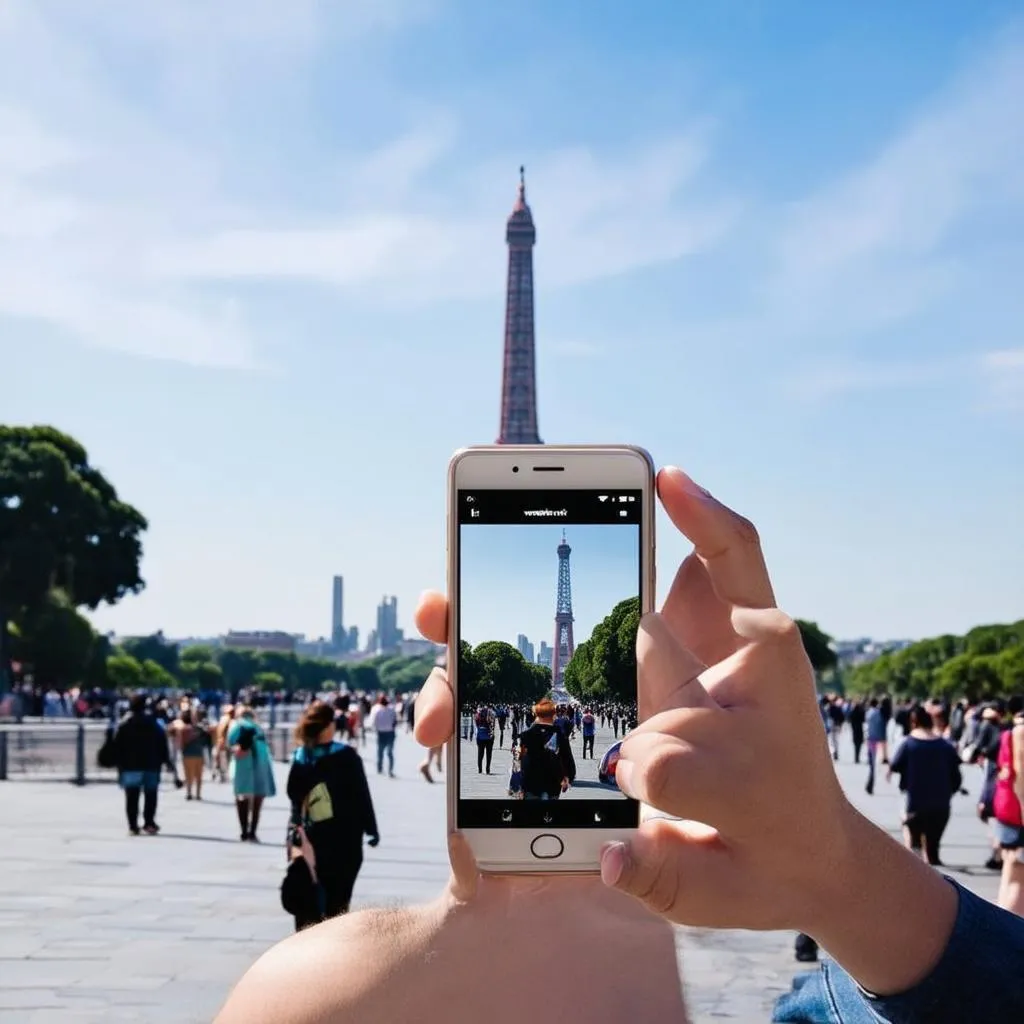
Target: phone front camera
<point>515,469</point>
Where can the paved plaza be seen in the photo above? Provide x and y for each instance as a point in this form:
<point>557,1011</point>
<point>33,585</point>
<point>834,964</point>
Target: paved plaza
<point>96,926</point>
<point>481,786</point>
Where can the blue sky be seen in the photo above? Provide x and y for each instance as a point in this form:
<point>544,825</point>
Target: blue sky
<point>509,577</point>
<point>254,260</point>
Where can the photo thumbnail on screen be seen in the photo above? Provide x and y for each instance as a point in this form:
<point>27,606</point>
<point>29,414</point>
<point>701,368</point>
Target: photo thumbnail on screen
<point>549,608</point>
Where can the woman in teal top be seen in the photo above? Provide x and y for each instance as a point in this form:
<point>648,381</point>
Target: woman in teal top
<point>252,771</point>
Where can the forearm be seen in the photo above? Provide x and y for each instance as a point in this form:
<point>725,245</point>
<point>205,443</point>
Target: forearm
<point>883,914</point>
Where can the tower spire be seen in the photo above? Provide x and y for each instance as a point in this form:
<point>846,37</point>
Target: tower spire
<point>564,644</point>
<point>519,376</point>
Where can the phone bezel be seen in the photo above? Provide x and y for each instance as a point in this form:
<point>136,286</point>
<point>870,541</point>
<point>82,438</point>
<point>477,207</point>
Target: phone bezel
<point>581,466</point>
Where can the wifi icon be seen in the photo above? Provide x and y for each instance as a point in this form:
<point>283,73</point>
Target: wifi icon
<point>602,497</point>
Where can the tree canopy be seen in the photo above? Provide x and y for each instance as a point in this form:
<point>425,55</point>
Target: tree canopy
<point>67,541</point>
<point>494,672</point>
<point>986,662</point>
<point>603,667</point>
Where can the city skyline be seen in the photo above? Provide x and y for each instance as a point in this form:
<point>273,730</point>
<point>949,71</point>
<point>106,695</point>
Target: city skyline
<point>781,249</point>
<point>509,579</point>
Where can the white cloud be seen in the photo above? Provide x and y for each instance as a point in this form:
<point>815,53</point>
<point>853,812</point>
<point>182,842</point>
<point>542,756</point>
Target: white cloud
<point>881,243</point>
<point>595,218</point>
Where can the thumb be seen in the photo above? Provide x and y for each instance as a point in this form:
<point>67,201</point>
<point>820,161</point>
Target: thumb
<point>465,873</point>
<point>669,866</point>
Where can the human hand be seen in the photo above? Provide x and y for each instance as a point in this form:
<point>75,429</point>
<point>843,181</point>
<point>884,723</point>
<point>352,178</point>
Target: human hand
<point>731,738</point>
<point>578,899</point>
<point>374,840</point>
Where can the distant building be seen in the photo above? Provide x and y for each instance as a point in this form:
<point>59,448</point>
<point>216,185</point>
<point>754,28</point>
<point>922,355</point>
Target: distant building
<point>338,634</point>
<point>524,647</point>
<point>414,648</point>
<point>194,641</point>
<point>544,655</point>
<point>865,650</point>
<point>260,640</point>
<point>388,636</point>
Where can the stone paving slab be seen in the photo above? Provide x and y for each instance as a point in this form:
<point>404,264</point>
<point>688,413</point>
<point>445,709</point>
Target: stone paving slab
<point>97,926</point>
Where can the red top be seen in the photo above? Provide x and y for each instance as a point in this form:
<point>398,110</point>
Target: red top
<point>1005,802</point>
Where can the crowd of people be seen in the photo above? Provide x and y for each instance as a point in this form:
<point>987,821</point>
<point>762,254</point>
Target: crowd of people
<point>541,741</point>
<point>937,741</point>
<point>331,807</point>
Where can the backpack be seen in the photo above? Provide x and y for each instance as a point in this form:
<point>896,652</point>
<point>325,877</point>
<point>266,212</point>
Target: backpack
<point>106,756</point>
<point>246,737</point>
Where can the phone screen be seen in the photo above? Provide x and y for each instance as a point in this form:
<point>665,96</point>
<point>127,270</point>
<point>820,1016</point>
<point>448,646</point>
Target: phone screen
<point>549,604</point>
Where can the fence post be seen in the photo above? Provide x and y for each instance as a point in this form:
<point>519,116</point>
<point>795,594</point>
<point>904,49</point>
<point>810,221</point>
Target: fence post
<point>80,756</point>
<point>3,755</point>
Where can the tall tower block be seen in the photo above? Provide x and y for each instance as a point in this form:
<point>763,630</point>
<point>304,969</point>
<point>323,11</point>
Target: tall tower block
<point>564,645</point>
<point>519,377</point>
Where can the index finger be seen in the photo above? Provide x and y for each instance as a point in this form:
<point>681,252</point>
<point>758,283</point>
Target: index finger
<point>725,542</point>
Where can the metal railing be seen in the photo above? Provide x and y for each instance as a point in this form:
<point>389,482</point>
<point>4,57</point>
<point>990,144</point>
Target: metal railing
<point>56,750</point>
<point>67,750</point>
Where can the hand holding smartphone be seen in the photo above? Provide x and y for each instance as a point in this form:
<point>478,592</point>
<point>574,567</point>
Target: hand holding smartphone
<point>551,566</point>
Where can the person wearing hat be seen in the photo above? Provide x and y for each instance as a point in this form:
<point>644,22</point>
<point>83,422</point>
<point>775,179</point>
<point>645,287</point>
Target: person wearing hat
<point>544,754</point>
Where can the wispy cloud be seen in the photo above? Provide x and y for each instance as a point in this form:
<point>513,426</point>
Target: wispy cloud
<point>597,217</point>
<point>894,236</point>
<point>121,225</point>
<point>100,170</point>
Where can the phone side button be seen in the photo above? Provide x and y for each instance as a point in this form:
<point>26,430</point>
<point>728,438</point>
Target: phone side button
<point>547,847</point>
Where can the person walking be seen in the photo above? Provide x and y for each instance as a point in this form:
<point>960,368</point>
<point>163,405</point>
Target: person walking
<point>545,756</point>
<point>929,771</point>
<point>588,726</point>
<point>385,722</point>
<point>855,716</point>
<point>483,723</point>
<point>875,721</point>
<point>1008,808</point>
<point>331,809</point>
<point>140,753</point>
<point>252,771</point>
<point>191,740</point>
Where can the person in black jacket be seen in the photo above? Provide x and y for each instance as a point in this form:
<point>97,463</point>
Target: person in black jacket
<point>140,752</point>
<point>331,803</point>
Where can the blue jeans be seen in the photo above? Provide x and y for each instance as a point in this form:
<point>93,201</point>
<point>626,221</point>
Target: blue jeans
<point>978,979</point>
<point>386,744</point>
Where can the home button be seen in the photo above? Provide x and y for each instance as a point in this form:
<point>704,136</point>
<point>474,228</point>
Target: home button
<point>547,847</point>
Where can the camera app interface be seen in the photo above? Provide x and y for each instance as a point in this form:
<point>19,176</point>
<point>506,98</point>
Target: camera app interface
<point>549,606</point>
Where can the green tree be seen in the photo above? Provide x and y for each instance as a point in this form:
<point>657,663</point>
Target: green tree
<point>507,676</point>
<point>208,676</point>
<point>470,676</point>
<point>1009,665</point>
<point>156,677</point>
<point>818,645</point>
<point>364,677</point>
<point>268,682</point>
<point>604,666</point>
<point>239,668</point>
<point>124,673</point>
<point>153,648</point>
<point>62,526</point>
<point>55,642</point>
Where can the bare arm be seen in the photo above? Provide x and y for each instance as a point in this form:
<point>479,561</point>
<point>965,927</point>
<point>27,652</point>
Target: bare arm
<point>453,954</point>
<point>1018,762</point>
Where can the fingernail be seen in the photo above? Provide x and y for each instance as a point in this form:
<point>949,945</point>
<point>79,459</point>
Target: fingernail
<point>692,488</point>
<point>613,863</point>
<point>623,776</point>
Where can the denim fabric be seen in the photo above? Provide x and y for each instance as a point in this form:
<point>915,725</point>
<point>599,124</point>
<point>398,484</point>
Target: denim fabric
<point>979,979</point>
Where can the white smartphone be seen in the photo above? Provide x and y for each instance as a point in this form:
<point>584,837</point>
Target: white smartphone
<point>550,566</point>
